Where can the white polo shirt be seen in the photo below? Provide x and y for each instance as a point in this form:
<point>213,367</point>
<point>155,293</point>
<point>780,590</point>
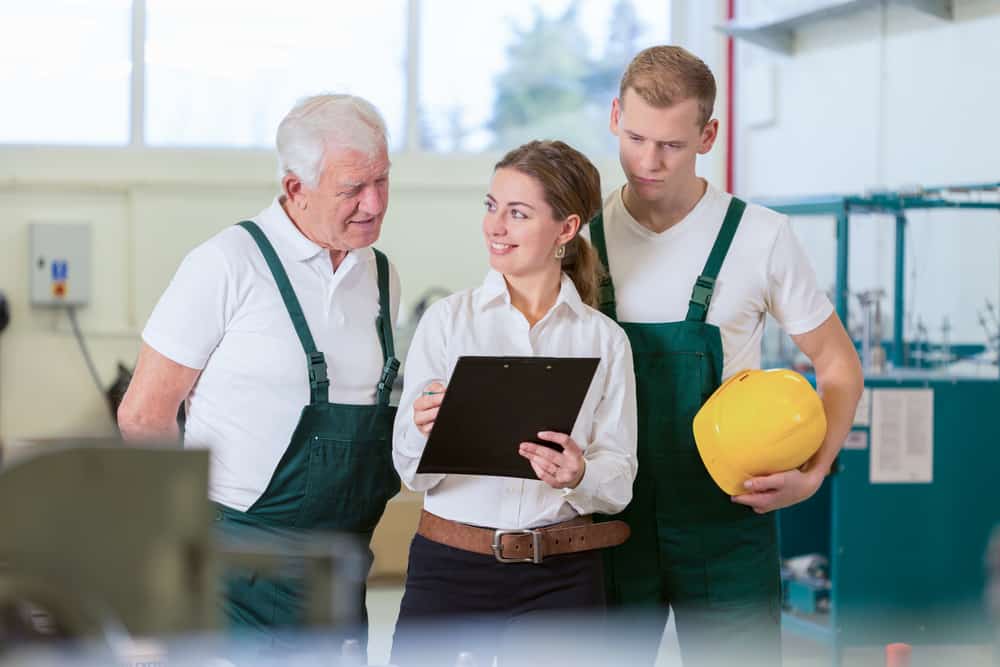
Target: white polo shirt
<point>222,314</point>
<point>482,321</point>
<point>765,271</point>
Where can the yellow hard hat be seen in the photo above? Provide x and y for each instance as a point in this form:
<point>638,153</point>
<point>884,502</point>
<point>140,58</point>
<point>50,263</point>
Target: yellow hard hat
<point>758,423</point>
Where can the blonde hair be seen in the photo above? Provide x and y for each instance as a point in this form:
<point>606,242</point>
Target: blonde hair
<point>572,185</point>
<point>666,75</point>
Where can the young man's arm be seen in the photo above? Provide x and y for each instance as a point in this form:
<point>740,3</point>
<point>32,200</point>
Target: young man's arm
<point>840,383</point>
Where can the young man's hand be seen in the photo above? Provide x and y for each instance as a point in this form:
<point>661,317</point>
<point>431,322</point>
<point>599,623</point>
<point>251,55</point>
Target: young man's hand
<point>783,489</point>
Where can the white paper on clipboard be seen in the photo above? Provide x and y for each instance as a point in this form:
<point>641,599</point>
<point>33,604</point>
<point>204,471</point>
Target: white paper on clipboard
<point>902,436</point>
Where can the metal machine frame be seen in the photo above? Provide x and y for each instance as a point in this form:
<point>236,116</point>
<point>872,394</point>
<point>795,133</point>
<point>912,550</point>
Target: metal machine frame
<point>906,560</point>
<point>894,203</point>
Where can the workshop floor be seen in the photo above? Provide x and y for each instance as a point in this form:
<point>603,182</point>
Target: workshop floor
<point>383,605</point>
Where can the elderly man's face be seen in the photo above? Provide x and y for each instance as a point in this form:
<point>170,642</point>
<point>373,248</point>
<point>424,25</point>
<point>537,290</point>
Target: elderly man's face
<point>345,209</point>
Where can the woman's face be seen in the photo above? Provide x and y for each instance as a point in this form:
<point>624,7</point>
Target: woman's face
<point>521,233</point>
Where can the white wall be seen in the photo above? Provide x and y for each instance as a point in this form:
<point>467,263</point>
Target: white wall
<point>884,98</point>
<point>692,26</point>
<point>881,98</point>
<point>147,209</point>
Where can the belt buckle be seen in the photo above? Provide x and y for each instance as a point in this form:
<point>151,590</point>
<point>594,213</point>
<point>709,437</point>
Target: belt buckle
<point>536,545</point>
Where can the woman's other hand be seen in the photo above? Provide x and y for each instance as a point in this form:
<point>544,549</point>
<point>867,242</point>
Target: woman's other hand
<point>560,470</point>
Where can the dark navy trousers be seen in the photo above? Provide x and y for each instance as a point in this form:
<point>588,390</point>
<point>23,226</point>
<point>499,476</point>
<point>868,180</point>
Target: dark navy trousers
<point>458,602</point>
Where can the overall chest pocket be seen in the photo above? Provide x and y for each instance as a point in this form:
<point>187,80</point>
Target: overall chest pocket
<point>670,389</point>
<point>348,484</point>
<point>676,372</point>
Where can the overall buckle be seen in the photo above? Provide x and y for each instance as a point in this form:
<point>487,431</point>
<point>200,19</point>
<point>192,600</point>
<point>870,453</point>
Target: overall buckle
<point>702,293</point>
<point>536,546</point>
<point>388,374</point>
<point>317,370</point>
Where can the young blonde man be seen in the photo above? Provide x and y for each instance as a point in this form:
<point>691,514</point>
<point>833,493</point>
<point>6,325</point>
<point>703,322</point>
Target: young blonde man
<point>693,272</point>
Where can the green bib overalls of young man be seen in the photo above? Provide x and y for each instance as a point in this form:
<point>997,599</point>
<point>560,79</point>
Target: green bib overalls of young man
<point>335,475</point>
<point>713,561</point>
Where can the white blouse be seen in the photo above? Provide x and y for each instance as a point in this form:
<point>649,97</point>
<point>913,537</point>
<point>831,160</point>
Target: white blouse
<point>483,322</point>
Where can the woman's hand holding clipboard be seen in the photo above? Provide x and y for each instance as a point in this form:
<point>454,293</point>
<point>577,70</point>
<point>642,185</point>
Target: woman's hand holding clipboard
<point>425,408</point>
<point>560,470</point>
<point>560,464</point>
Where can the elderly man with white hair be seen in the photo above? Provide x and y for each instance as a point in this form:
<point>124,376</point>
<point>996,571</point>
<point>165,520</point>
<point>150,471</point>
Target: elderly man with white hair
<point>277,335</point>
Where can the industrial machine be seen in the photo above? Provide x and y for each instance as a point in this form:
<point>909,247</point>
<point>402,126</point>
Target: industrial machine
<point>893,546</point>
<point>904,522</point>
<point>107,542</point>
<point>900,353</point>
<point>113,545</point>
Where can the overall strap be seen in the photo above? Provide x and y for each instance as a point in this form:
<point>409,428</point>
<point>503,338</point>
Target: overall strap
<point>701,295</point>
<point>319,383</point>
<point>384,326</point>
<point>606,293</point>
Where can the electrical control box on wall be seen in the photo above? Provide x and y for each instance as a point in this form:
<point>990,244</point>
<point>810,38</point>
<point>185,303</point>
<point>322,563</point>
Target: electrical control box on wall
<point>59,263</point>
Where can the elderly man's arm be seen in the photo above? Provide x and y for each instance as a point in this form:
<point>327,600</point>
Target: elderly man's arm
<point>149,409</point>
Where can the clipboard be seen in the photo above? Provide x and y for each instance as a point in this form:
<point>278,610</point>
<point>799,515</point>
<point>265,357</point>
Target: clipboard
<point>493,404</point>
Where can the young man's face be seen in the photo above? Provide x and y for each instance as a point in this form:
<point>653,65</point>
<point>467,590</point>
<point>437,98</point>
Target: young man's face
<point>658,147</point>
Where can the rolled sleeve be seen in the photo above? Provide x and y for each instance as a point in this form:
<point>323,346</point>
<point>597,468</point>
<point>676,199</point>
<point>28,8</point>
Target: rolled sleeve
<point>606,486</point>
<point>426,362</point>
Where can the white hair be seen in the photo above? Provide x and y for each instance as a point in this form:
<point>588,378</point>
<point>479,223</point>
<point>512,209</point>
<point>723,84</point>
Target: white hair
<point>322,121</point>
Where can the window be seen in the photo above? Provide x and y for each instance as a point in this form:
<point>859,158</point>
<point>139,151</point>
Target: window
<point>65,67</point>
<point>224,73</point>
<point>494,75</point>
<point>490,75</point>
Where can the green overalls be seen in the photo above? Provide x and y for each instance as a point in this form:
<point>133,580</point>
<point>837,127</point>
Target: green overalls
<point>335,475</point>
<point>713,561</point>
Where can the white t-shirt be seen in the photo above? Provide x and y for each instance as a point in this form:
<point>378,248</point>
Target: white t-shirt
<point>765,271</point>
<point>482,321</point>
<point>222,313</point>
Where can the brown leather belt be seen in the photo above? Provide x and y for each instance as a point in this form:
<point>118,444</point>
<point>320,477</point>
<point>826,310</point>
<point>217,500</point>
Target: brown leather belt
<point>524,545</point>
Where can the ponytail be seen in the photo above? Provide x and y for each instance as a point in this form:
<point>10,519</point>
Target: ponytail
<point>584,268</point>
